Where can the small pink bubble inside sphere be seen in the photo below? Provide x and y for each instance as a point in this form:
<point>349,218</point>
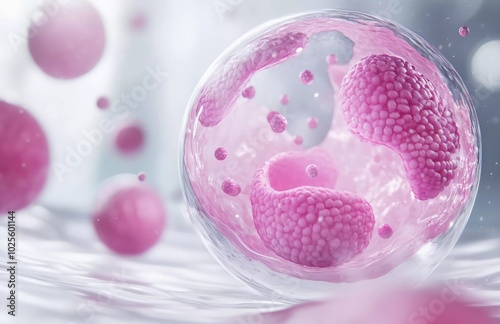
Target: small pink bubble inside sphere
<point>102,102</point>
<point>248,93</point>
<point>130,139</point>
<point>24,158</point>
<point>312,170</point>
<point>230,187</point>
<point>131,220</point>
<point>385,231</point>
<point>68,42</point>
<point>306,77</point>
<point>220,153</point>
<point>312,122</point>
<point>463,31</point>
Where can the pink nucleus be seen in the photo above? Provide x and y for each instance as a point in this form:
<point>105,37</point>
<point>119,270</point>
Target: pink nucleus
<point>278,123</point>
<point>70,42</point>
<point>463,31</point>
<point>24,158</point>
<point>331,59</point>
<point>103,103</point>
<point>298,140</point>
<point>248,93</point>
<point>301,218</point>
<point>230,187</point>
<point>131,220</point>
<point>385,231</point>
<point>141,176</point>
<point>306,77</point>
<point>130,139</point>
<point>220,153</point>
<point>284,99</point>
<point>385,100</point>
<point>312,122</point>
<point>312,170</point>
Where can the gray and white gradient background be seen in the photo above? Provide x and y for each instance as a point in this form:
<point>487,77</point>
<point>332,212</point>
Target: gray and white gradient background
<point>182,38</point>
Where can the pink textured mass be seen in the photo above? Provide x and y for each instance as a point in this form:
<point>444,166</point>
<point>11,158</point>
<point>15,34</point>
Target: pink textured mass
<point>130,139</point>
<point>304,221</point>
<point>220,154</point>
<point>248,93</point>
<point>385,231</point>
<point>306,77</point>
<point>71,42</point>
<point>463,31</point>
<point>131,220</point>
<point>24,158</point>
<point>386,101</point>
<point>278,123</point>
<point>230,187</point>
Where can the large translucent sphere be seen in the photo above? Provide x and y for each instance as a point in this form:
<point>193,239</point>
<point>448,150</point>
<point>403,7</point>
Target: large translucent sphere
<point>330,149</point>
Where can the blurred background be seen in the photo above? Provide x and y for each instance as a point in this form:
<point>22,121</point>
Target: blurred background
<point>67,276</point>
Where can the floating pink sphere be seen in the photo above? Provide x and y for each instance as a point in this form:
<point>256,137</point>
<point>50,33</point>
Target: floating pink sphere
<point>131,220</point>
<point>298,140</point>
<point>385,231</point>
<point>331,59</point>
<point>312,123</point>
<point>284,99</point>
<point>138,21</point>
<point>463,31</point>
<point>230,187</point>
<point>220,153</point>
<point>24,158</point>
<point>270,115</point>
<point>70,42</point>
<point>248,93</point>
<point>306,77</point>
<point>278,123</point>
<point>102,103</point>
<point>141,176</point>
<point>130,139</point>
<point>312,170</point>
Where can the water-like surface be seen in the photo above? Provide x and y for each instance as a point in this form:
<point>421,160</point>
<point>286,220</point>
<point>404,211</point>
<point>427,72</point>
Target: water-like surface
<point>67,276</point>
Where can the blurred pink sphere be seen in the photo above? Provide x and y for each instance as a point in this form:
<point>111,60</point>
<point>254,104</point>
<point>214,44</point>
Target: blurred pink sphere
<point>24,158</point>
<point>69,41</point>
<point>131,220</point>
<point>129,139</point>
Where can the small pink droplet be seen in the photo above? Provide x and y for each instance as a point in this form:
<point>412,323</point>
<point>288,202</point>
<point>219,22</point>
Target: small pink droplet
<point>141,176</point>
<point>138,21</point>
<point>312,122</point>
<point>298,140</point>
<point>463,31</point>
<point>129,139</point>
<point>278,123</point>
<point>270,115</point>
<point>385,231</point>
<point>220,153</point>
<point>306,77</point>
<point>102,103</point>
<point>312,170</point>
<point>284,99</point>
<point>131,220</point>
<point>248,93</point>
<point>70,42</point>
<point>230,187</point>
<point>331,59</point>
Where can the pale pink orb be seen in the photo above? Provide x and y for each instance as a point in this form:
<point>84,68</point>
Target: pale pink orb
<point>220,153</point>
<point>24,158</point>
<point>306,77</point>
<point>385,231</point>
<point>331,59</point>
<point>278,123</point>
<point>230,187</point>
<point>102,103</point>
<point>248,93</point>
<point>284,99</point>
<point>271,114</point>
<point>130,139</point>
<point>138,21</point>
<point>312,170</point>
<point>312,122</point>
<point>70,42</point>
<point>141,176</point>
<point>131,220</point>
<point>298,140</point>
<point>463,31</point>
